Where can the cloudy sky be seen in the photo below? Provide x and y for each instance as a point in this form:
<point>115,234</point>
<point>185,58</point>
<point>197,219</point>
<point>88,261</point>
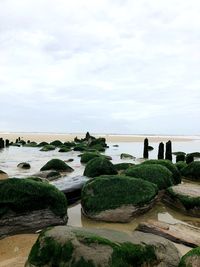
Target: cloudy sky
<point>109,66</point>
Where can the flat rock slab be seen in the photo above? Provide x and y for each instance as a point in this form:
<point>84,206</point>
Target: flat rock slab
<point>179,233</point>
<point>187,189</point>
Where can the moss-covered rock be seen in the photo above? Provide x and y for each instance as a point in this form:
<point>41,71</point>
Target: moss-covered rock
<point>27,205</point>
<point>56,164</point>
<point>98,147</point>
<point>192,171</point>
<point>153,173</point>
<point>184,197</point>
<point>117,198</point>
<point>21,195</point>
<point>31,144</point>
<point>56,143</point>
<point>123,166</point>
<point>191,259</point>
<point>170,166</point>
<point>81,247</point>
<point>126,156</point>
<point>69,144</point>
<point>180,165</point>
<point>195,154</point>
<point>99,166</point>
<point>80,147</point>
<point>49,175</point>
<point>87,156</point>
<point>64,148</point>
<point>48,148</point>
<point>177,153</point>
<point>42,144</point>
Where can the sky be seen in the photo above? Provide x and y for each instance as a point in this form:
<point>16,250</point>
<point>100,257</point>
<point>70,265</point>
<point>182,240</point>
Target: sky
<point>104,66</point>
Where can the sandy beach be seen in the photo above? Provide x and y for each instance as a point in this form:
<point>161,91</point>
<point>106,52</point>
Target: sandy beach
<point>48,137</point>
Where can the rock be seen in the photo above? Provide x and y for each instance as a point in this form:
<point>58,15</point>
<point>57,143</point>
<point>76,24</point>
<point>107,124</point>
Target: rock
<point>24,165</point>
<point>69,160</point>
<point>48,148</point>
<point>191,259</point>
<point>169,165</point>
<point>99,166</point>
<point>180,165</point>
<point>15,144</point>
<point>56,143</point>
<point>56,164</point>
<point>153,173</point>
<point>178,232</point>
<point>82,247</point>
<point>185,198</point>
<point>49,175</point>
<point>177,153</point>
<point>127,156</point>
<point>42,144</point>
<point>31,144</point>
<point>87,156</point>
<point>115,145</point>
<point>3,175</point>
<point>71,187</point>
<point>150,148</point>
<point>64,149</point>
<point>123,166</point>
<point>98,147</point>
<point>27,205</point>
<point>192,171</point>
<point>117,198</point>
<point>80,147</point>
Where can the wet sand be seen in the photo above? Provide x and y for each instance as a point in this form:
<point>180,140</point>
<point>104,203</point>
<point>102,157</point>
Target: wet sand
<point>14,250</point>
<point>49,137</point>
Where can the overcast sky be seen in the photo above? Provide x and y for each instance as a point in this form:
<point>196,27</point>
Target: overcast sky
<point>109,66</point>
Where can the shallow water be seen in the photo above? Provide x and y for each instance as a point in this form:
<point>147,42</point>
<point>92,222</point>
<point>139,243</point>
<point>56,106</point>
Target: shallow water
<point>14,251</point>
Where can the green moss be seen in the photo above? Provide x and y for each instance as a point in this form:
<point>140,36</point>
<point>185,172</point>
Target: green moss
<point>153,173</point>
<point>170,166</point>
<point>178,153</point>
<point>112,191</point>
<point>37,179</point>
<point>99,166</point>
<point>42,144</point>
<point>187,201</point>
<point>69,144</point>
<point>123,166</point>
<point>64,148</point>
<point>126,156</point>
<point>195,154</point>
<point>80,147</point>
<point>180,165</point>
<point>50,252</point>
<point>22,195</point>
<point>195,252</point>
<point>48,148</point>
<point>31,144</point>
<point>56,143</point>
<point>98,147</point>
<point>192,171</point>
<point>87,156</point>
<point>56,164</point>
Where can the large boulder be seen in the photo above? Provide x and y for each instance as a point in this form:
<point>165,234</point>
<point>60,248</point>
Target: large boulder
<point>81,247</point>
<point>116,198</point>
<point>87,156</point>
<point>184,197</point>
<point>99,166</point>
<point>180,165</point>
<point>192,171</point>
<point>27,205</point>
<point>56,143</point>
<point>169,165</point>
<point>191,259</point>
<point>56,164</point>
<point>123,166</point>
<point>153,173</point>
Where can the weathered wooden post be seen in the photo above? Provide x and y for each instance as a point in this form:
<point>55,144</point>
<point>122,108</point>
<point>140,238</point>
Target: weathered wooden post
<point>146,151</point>
<point>168,152</point>
<point>161,151</point>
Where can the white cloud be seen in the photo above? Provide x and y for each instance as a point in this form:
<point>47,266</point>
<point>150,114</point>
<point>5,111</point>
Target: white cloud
<point>103,64</point>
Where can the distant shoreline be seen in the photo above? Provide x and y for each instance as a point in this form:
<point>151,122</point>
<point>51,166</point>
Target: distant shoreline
<point>39,137</point>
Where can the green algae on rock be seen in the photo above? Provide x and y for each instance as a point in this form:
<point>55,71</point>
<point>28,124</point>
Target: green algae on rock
<point>48,148</point>
<point>191,259</point>
<point>56,164</point>
<point>192,171</point>
<point>169,165</point>
<point>81,247</point>
<point>153,173</point>
<point>99,166</point>
<point>117,198</point>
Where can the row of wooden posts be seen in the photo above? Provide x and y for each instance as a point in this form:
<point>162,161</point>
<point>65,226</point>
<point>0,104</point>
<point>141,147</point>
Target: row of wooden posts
<point>168,151</point>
